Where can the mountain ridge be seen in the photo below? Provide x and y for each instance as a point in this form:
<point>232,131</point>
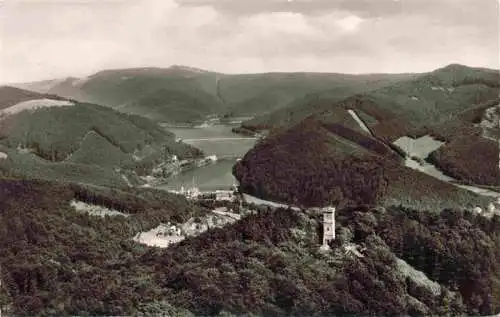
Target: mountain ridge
<point>237,94</point>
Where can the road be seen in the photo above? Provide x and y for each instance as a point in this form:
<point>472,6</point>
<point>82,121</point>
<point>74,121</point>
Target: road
<point>217,139</point>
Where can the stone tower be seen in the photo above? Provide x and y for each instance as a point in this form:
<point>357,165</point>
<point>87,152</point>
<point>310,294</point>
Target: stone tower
<point>328,225</point>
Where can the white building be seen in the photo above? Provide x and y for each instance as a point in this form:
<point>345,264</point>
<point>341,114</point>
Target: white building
<point>477,210</point>
<point>212,158</point>
<point>227,195</point>
<point>190,193</point>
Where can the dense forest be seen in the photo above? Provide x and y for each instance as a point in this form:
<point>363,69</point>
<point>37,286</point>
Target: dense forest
<point>313,164</point>
<point>472,159</point>
<point>466,146</point>
<point>56,261</point>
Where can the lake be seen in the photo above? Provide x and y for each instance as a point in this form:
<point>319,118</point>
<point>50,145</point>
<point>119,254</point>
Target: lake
<point>215,140</point>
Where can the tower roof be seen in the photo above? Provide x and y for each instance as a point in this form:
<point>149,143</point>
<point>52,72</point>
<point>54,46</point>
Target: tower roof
<point>328,209</point>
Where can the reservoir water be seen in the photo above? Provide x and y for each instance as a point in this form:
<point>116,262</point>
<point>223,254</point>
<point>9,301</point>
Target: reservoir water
<point>216,140</point>
<point>219,140</point>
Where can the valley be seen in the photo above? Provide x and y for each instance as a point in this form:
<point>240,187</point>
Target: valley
<point>121,187</point>
<point>242,158</point>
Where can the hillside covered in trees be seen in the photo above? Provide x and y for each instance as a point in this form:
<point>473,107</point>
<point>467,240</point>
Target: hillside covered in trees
<point>317,162</point>
<point>81,142</point>
<point>409,104</point>
<point>308,160</point>
<point>460,159</point>
<point>56,261</point>
<point>183,94</point>
<point>471,138</point>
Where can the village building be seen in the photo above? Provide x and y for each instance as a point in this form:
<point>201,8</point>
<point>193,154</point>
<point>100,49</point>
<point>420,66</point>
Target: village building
<point>224,195</point>
<point>190,193</point>
<point>477,210</point>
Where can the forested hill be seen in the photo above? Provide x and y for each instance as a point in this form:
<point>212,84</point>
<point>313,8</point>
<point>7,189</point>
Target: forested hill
<point>184,94</point>
<point>42,137</point>
<point>385,262</point>
<point>320,161</point>
<point>422,100</point>
<point>311,160</point>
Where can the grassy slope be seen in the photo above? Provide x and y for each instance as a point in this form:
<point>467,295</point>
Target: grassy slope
<point>84,142</point>
<point>10,96</point>
<point>57,261</point>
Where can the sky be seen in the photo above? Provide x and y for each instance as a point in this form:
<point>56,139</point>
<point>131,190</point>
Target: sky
<point>43,39</point>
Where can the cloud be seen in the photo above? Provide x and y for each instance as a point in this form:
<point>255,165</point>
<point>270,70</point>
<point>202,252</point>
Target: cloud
<point>281,23</point>
<point>44,39</point>
<point>350,23</point>
<point>250,7</point>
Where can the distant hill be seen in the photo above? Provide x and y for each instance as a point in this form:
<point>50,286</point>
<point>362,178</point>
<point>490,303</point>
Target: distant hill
<point>306,91</point>
<point>184,94</point>
<point>175,94</point>
<point>80,141</point>
<point>56,260</point>
<point>414,101</point>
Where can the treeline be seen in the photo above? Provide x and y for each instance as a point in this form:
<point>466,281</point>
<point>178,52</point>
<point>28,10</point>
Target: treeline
<point>139,202</point>
<point>258,265</point>
<point>462,124</point>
